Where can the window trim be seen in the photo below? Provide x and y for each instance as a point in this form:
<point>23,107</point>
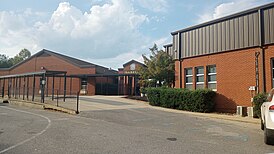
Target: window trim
<point>188,76</point>
<point>199,75</point>
<point>211,74</point>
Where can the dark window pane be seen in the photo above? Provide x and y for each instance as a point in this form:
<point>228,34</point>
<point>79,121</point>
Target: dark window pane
<point>188,79</point>
<point>189,71</point>
<point>199,86</point>
<point>211,78</point>
<point>200,79</point>
<point>212,69</point>
<point>199,70</point>
<point>212,86</point>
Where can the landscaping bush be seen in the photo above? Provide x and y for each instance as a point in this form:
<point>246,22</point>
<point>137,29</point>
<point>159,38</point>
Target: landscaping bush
<point>153,96</point>
<point>258,100</point>
<point>191,100</point>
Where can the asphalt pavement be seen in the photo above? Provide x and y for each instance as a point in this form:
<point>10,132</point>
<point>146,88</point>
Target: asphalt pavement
<point>123,126</point>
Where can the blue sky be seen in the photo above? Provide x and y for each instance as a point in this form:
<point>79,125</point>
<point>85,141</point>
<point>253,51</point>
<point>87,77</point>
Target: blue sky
<point>104,32</point>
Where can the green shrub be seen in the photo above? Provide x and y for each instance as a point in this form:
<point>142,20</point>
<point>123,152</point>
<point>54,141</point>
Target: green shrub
<point>153,96</point>
<point>197,100</point>
<point>258,100</point>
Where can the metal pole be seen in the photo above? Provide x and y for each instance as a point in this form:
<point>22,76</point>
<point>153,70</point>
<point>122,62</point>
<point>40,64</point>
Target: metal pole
<point>57,97</point>
<point>16,88</point>
<point>77,101</point>
<point>24,86</point>
<point>65,86</point>
<point>9,84</point>
<point>52,90</point>
<point>19,87</point>
<point>28,88</point>
<point>13,89</point>
<point>33,87</point>
<point>3,88</point>
<point>70,87</point>
<point>43,88</point>
<point>47,78</point>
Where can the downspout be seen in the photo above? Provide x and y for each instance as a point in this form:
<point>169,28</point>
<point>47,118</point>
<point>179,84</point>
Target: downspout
<point>261,44</point>
<point>180,59</point>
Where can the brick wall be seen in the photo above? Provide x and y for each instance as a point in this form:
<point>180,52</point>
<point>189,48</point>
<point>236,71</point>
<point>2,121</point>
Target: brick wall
<point>235,74</point>
<point>55,64</point>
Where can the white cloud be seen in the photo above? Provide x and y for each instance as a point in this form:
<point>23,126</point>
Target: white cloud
<point>228,8</point>
<point>154,5</point>
<point>105,31</point>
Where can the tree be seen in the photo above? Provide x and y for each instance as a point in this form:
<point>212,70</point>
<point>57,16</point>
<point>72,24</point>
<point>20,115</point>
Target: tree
<point>22,55</point>
<point>160,68</point>
<point>6,62</point>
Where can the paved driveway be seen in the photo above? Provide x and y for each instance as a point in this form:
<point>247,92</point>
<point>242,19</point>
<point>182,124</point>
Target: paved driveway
<point>116,125</point>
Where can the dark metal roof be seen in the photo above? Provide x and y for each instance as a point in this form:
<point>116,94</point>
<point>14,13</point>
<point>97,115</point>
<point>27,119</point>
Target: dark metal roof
<point>34,73</point>
<point>167,45</point>
<point>101,75</point>
<point>133,61</point>
<point>224,18</point>
<point>71,60</point>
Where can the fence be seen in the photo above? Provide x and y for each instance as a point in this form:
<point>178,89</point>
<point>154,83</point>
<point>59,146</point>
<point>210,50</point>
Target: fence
<point>59,98</point>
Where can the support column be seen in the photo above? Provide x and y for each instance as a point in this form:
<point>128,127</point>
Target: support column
<point>33,87</point>
<point>70,87</point>
<point>28,88</point>
<point>65,86</point>
<point>24,87</point>
<point>52,90</point>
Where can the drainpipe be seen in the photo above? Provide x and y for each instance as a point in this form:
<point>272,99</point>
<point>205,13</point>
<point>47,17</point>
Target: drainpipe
<point>180,59</point>
<point>262,42</point>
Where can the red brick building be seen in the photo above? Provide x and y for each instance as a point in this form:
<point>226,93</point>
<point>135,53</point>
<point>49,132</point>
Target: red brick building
<point>80,75</point>
<point>233,55</point>
<point>129,84</point>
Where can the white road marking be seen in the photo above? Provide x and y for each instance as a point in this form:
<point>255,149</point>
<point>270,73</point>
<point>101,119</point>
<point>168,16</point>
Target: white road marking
<point>31,138</point>
<point>60,119</point>
<point>3,113</point>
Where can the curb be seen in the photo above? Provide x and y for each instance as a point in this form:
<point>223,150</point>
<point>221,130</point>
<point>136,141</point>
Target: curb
<point>211,115</point>
<point>40,106</point>
<point>205,115</point>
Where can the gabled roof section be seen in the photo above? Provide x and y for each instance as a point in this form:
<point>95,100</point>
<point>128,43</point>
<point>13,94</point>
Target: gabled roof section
<point>74,61</point>
<point>44,52</point>
<point>133,61</point>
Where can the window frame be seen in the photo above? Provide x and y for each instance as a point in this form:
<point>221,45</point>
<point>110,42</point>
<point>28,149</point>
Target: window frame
<point>188,76</point>
<point>211,74</point>
<point>199,75</point>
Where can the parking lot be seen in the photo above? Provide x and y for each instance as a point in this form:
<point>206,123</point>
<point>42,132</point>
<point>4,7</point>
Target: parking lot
<point>117,125</point>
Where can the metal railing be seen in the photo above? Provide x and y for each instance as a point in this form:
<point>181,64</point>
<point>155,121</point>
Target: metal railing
<point>56,97</point>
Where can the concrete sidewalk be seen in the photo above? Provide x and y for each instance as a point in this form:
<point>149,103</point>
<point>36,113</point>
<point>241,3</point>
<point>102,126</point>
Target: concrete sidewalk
<point>223,116</point>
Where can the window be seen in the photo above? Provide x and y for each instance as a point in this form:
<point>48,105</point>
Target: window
<point>84,84</point>
<point>211,77</point>
<point>200,77</point>
<point>188,79</point>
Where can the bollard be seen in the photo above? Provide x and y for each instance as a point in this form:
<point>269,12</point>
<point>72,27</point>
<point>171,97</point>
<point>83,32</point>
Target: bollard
<point>77,101</point>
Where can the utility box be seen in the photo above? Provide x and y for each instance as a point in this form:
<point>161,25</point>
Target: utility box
<point>242,111</point>
<point>250,112</point>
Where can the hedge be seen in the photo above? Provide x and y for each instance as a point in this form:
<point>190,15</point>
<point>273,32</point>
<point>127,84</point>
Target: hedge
<point>201,100</point>
<point>258,100</point>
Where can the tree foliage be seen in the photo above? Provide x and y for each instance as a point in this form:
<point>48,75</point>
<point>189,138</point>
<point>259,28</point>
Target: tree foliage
<point>160,69</point>
<point>6,62</point>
